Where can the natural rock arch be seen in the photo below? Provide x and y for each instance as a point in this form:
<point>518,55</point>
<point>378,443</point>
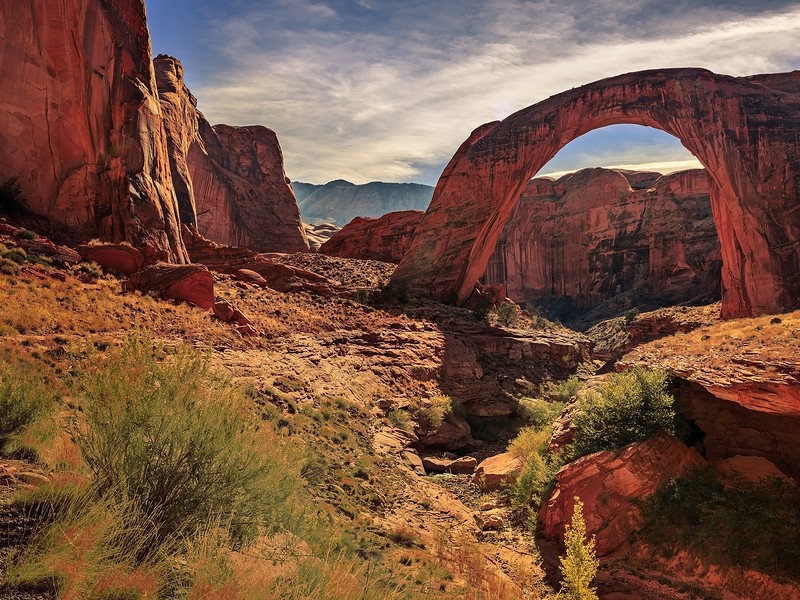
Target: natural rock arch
<point>745,131</point>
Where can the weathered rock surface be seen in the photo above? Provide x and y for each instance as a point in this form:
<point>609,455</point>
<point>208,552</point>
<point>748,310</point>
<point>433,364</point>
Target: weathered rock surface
<point>185,283</point>
<point>230,181</point>
<point>122,258</point>
<point>386,238</point>
<point>340,201</point>
<point>213,255</point>
<point>609,483</point>
<point>319,234</point>
<point>576,242</point>
<point>80,123</point>
<point>750,469</point>
<point>463,465</point>
<point>496,471</point>
<point>744,130</point>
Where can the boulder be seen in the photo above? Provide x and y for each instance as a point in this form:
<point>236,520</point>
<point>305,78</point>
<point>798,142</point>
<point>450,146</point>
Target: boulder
<point>749,469</point>
<point>122,258</point>
<point>462,466</point>
<point>453,434</point>
<point>611,483</point>
<point>496,471</point>
<point>185,283</point>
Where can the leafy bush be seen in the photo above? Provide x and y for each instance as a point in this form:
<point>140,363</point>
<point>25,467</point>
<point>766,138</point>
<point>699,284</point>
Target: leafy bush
<point>507,314</point>
<point>629,407</point>
<point>18,255</point>
<point>563,391</point>
<point>538,411</point>
<point>431,414</point>
<point>24,396</point>
<point>26,234</point>
<point>753,525</point>
<point>170,438</point>
<point>401,419</point>
<point>529,441</point>
<point>579,564</point>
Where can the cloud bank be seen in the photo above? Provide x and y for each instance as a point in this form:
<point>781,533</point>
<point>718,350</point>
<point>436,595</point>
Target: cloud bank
<point>380,90</point>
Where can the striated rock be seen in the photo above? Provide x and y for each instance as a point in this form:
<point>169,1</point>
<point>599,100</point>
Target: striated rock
<point>81,126</point>
<point>385,239</point>
<point>743,129</point>
<point>229,181</point>
<point>121,258</point>
<point>463,465</point>
<point>318,234</point>
<point>496,471</point>
<point>214,256</point>
<point>227,313</point>
<point>340,201</point>
<point>579,241</point>
<point>60,255</point>
<point>610,483</point>
<point>185,283</point>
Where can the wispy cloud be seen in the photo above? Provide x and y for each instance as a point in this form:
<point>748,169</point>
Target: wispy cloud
<point>389,92</point>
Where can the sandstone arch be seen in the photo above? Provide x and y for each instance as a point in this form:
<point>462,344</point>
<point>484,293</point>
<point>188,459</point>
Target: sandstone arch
<point>745,131</point>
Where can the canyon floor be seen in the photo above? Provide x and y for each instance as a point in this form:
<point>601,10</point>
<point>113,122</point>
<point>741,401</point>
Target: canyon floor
<point>330,375</point>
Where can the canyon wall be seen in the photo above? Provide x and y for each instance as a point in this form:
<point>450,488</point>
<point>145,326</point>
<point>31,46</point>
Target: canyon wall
<point>230,181</point>
<point>589,236</point>
<point>80,122</point>
<point>386,238</point>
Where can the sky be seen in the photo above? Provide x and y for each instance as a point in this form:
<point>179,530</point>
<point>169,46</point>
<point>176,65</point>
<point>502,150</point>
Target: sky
<point>386,90</point>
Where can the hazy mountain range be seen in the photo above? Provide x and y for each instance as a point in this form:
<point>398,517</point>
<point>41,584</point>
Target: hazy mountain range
<point>340,201</point>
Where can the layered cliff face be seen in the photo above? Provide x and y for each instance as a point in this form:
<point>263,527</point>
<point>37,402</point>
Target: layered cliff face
<point>230,181</point>
<point>80,123</point>
<point>383,239</point>
<point>590,236</point>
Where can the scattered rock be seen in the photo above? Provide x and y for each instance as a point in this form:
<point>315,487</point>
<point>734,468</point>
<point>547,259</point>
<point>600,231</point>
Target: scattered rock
<point>495,471</point>
<point>492,521</point>
<point>415,461</point>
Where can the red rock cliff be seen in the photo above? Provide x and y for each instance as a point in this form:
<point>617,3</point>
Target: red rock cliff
<point>590,235</point>
<point>230,181</point>
<point>80,122</point>
<point>386,238</point>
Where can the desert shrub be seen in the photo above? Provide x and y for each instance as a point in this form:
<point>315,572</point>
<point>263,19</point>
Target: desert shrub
<point>90,269</point>
<point>11,200</point>
<point>538,411</point>
<point>24,396</point>
<point>431,414</point>
<point>630,315</point>
<point>26,234</point>
<point>170,438</point>
<point>401,419</point>
<point>729,525</point>
<point>8,266</point>
<point>579,564</point>
<point>629,407</point>
<point>530,440</point>
<point>39,260</point>
<point>563,391</point>
<point>18,255</point>
<point>507,314</point>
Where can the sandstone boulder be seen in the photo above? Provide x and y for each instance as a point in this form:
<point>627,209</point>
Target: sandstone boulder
<point>453,434</point>
<point>750,469</point>
<point>185,283</point>
<point>464,465</point>
<point>122,258</point>
<point>610,483</point>
<point>496,471</point>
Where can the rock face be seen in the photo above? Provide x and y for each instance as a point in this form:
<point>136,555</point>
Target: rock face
<point>340,201</point>
<point>184,283</point>
<point>386,238</point>
<point>609,483</point>
<point>590,235</point>
<point>121,258</point>
<point>498,470</point>
<point>80,123</point>
<point>230,181</point>
<point>744,130</point>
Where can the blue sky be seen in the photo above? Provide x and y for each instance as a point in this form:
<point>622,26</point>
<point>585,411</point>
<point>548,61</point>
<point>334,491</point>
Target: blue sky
<point>387,90</point>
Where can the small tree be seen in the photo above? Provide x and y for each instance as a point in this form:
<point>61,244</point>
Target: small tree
<point>579,564</point>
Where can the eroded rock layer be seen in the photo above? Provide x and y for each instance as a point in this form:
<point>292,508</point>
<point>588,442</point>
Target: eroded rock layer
<point>591,235</point>
<point>386,238</point>
<point>80,122</point>
<point>230,181</point>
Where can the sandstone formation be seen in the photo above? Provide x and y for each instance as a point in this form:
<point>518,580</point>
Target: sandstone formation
<point>579,241</point>
<point>122,258</point>
<point>80,123</point>
<point>744,130</point>
<point>319,234</point>
<point>463,465</point>
<point>184,283</point>
<point>610,483</point>
<point>230,181</point>
<point>340,201</point>
<point>385,239</point>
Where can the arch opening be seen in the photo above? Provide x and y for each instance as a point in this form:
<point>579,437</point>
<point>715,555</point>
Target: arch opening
<point>743,130</point>
<point>586,242</point>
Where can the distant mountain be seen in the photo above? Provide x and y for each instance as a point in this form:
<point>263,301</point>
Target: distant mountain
<point>339,201</point>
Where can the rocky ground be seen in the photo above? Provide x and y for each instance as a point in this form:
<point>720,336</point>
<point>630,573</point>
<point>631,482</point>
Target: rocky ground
<point>340,364</point>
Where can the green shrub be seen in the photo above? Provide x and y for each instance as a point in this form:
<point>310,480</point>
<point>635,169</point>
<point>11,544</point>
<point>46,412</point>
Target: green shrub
<point>507,314</point>
<point>26,234</point>
<point>401,419</point>
<point>538,411</point>
<point>431,414</point>
<point>24,396</point>
<point>18,255</point>
<point>9,267</point>
<point>579,564</point>
<point>563,391</point>
<point>170,438</point>
<point>752,525</point>
<point>629,407</point>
